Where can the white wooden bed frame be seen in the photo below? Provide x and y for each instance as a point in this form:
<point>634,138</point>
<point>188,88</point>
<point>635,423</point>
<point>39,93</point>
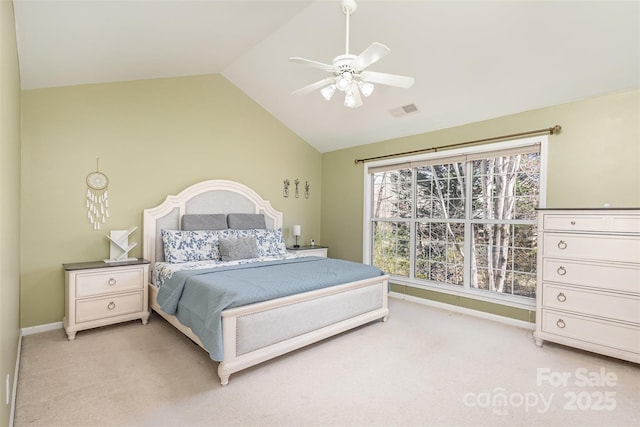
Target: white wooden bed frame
<point>258,332</point>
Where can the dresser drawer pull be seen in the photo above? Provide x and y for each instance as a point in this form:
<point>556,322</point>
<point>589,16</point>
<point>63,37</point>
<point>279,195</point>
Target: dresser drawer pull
<point>562,244</point>
<point>573,223</point>
<point>111,305</point>
<point>562,271</point>
<point>561,297</point>
<point>112,281</point>
<point>560,324</point>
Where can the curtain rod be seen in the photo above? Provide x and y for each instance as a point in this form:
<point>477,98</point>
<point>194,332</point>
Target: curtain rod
<point>551,131</point>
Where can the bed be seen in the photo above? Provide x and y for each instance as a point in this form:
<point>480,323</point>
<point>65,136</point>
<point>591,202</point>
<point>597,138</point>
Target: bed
<point>255,332</point>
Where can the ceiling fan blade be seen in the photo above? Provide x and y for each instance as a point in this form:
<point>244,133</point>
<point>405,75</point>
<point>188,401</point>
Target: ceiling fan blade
<point>314,64</point>
<point>370,55</point>
<point>314,86</point>
<point>387,79</point>
<point>355,93</point>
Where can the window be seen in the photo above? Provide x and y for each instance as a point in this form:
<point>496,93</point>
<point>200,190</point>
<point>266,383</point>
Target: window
<point>462,222</point>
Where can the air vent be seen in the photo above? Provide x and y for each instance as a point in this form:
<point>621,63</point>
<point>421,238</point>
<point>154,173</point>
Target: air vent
<point>404,110</point>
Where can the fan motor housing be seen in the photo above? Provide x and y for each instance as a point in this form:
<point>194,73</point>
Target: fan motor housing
<point>343,63</point>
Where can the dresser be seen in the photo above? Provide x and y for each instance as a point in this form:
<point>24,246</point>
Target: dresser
<point>588,288</point>
<point>99,294</point>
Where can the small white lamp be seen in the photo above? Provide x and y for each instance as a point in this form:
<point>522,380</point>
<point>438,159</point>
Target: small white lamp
<point>297,230</point>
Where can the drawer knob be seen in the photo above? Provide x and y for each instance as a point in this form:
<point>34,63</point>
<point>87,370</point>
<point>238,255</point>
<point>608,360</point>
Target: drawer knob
<point>561,297</point>
<point>111,281</point>
<point>562,271</point>
<point>111,305</point>
<point>560,324</point>
<point>573,223</point>
<point>562,244</point>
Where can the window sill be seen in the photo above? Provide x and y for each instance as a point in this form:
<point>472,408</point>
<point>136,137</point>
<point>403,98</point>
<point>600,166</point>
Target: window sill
<point>480,295</point>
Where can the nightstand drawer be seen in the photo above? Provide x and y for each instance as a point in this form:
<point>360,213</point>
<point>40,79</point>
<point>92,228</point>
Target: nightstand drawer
<point>104,282</point>
<point>315,250</point>
<point>101,308</point>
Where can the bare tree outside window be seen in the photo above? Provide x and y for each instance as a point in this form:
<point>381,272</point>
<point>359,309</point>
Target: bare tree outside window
<point>438,204</point>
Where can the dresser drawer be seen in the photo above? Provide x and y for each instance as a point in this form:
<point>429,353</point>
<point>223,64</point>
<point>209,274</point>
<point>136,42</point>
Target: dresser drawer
<point>104,282</point>
<point>592,247</point>
<point>614,223</point>
<point>598,332</point>
<point>101,308</point>
<point>600,304</point>
<point>615,277</point>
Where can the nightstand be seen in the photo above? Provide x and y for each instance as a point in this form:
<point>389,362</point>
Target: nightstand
<point>99,293</point>
<point>309,250</point>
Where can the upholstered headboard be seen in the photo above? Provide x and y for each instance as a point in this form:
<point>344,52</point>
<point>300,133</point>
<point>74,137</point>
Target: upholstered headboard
<point>207,197</point>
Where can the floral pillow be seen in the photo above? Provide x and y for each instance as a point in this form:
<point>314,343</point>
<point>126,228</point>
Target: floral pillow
<point>186,246</point>
<point>270,242</point>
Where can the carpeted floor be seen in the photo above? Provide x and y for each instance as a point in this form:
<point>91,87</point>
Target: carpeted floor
<point>424,367</point>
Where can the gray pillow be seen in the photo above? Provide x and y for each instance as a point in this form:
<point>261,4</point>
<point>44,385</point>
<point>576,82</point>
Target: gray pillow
<point>244,221</point>
<point>191,222</point>
<point>234,249</point>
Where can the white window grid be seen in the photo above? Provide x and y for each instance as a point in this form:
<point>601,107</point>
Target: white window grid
<point>465,289</point>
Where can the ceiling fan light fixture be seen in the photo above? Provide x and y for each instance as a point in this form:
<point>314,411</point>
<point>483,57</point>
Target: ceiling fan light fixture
<point>349,100</point>
<point>344,81</point>
<point>328,91</point>
<point>366,88</point>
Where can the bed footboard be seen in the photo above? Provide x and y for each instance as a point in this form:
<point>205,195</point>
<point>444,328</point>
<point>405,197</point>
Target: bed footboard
<point>262,331</point>
<point>258,332</point>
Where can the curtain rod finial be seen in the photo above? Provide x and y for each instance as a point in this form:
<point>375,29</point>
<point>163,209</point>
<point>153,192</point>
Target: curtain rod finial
<point>556,129</point>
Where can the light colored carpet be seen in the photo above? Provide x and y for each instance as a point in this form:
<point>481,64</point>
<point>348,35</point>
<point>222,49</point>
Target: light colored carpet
<point>425,366</point>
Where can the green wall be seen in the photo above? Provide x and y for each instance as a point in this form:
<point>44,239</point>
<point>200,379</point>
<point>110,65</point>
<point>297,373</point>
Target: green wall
<point>9,203</point>
<point>153,138</point>
<point>594,160</point>
<point>156,137</point>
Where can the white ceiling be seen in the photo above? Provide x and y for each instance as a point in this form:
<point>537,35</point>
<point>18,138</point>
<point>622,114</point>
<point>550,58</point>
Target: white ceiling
<point>471,60</point>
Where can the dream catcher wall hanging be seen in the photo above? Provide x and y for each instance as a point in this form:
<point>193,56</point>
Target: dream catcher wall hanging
<point>97,201</point>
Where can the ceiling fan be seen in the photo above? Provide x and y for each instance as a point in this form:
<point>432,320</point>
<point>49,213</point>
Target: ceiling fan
<point>349,74</point>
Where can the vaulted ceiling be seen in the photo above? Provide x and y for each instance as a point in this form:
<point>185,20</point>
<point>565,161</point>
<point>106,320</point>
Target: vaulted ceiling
<point>471,60</point>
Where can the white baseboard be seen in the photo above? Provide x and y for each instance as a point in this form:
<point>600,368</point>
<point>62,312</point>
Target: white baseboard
<point>14,391</point>
<point>40,328</point>
<point>463,310</point>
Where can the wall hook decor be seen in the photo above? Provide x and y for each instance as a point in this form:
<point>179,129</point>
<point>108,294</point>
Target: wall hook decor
<point>97,197</point>
<point>307,190</point>
<point>297,182</point>
<point>285,189</point>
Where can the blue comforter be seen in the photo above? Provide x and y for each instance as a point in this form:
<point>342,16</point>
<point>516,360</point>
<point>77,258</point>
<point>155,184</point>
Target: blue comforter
<point>198,297</point>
